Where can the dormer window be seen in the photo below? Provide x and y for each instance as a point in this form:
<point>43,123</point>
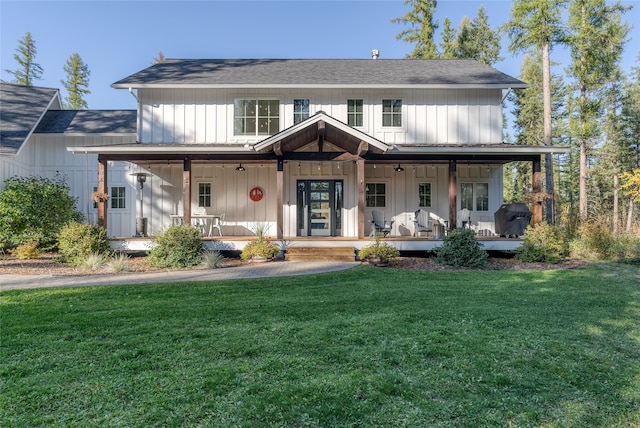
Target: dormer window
<point>256,117</point>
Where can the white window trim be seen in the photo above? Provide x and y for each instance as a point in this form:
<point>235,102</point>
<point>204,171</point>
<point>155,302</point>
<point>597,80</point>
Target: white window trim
<point>232,117</point>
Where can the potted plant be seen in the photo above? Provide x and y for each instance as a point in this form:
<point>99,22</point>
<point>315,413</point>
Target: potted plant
<point>261,249</point>
<point>379,253</point>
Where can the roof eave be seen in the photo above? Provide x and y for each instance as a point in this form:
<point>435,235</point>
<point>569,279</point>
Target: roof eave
<point>318,86</point>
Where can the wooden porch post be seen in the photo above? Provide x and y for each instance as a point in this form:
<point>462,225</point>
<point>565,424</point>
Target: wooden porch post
<point>360,180</point>
<point>537,191</point>
<point>280,199</point>
<point>186,191</point>
<point>453,184</point>
<point>103,188</point>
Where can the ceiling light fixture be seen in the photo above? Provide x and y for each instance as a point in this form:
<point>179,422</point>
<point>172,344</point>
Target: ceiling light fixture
<point>240,168</point>
<point>398,168</point>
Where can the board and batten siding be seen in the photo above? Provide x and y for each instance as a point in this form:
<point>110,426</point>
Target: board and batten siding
<point>429,116</point>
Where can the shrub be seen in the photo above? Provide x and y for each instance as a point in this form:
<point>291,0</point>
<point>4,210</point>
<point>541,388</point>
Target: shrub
<point>261,247</point>
<point>212,259</point>
<point>93,261</point>
<point>542,243</point>
<point>380,250</point>
<point>461,249</point>
<point>28,250</point>
<point>35,209</point>
<point>119,263</point>
<point>77,241</point>
<point>178,246</point>
<point>595,241</point>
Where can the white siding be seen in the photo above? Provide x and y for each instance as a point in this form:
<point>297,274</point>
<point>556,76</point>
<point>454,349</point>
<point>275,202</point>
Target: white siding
<point>430,116</point>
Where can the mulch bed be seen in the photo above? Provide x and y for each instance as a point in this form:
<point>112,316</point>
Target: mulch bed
<point>49,264</point>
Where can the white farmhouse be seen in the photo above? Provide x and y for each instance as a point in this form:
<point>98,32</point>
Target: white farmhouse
<point>308,147</point>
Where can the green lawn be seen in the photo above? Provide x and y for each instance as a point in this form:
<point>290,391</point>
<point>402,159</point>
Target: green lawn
<point>363,347</point>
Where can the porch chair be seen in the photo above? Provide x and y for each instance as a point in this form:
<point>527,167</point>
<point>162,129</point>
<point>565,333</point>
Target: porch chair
<point>218,224</point>
<point>422,222</point>
<point>201,224</point>
<point>463,219</point>
<point>380,225</point>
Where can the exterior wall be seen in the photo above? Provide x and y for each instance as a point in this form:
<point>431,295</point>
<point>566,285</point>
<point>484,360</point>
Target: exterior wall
<point>45,155</point>
<point>429,116</point>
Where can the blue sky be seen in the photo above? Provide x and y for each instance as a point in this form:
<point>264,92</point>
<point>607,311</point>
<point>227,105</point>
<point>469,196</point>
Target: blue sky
<point>118,38</point>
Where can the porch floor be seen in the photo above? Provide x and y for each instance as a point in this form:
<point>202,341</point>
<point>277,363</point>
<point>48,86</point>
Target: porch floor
<point>402,243</point>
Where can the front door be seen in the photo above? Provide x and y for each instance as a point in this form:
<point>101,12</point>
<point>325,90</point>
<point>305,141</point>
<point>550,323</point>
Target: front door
<point>319,207</point>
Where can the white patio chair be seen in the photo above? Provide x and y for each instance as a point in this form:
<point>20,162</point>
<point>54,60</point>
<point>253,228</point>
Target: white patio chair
<point>380,225</point>
<point>422,222</point>
<point>463,219</point>
<point>218,224</point>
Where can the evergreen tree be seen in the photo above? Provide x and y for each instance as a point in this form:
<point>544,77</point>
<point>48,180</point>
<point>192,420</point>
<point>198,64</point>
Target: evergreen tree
<point>421,29</point>
<point>477,40</point>
<point>449,37</point>
<point>29,70</point>
<point>537,24</point>
<point>77,82</point>
<point>596,45</point>
<point>159,58</point>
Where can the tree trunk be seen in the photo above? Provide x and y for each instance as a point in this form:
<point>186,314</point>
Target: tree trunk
<point>548,141</point>
<point>583,156</point>
<point>629,215</point>
<point>616,195</point>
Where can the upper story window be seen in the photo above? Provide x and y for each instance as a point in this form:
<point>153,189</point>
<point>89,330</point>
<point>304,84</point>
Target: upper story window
<point>118,197</point>
<point>256,117</point>
<point>392,112</point>
<point>355,112</point>
<point>300,110</point>
<point>204,194</point>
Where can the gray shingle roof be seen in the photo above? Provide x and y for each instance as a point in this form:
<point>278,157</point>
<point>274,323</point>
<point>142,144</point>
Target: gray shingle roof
<point>88,122</point>
<point>319,72</point>
<point>21,107</point>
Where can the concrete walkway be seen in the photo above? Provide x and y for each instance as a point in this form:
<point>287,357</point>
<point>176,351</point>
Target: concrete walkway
<point>260,270</point>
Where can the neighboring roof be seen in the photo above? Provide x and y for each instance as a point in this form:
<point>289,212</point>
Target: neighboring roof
<point>309,73</point>
<point>21,108</point>
<point>88,122</point>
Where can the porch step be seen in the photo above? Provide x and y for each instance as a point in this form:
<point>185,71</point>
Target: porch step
<point>320,254</point>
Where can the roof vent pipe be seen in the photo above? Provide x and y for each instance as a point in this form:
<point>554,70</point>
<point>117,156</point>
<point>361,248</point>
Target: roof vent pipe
<point>375,54</point>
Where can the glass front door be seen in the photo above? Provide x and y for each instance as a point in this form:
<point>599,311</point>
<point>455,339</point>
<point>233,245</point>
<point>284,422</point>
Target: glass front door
<point>319,207</point>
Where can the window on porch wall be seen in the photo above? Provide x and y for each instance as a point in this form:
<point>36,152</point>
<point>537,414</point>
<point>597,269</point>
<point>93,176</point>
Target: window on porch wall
<point>424,195</point>
<point>204,195</point>
<point>474,196</point>
<point>118,197</point>
<point>376,195</point>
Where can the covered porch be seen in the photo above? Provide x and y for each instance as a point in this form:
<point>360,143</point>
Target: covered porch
<point>280,183</point>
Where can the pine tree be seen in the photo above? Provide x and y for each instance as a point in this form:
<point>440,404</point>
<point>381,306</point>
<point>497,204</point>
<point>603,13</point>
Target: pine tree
<point>537,24</point>
<point>596,45</point>
<point>29,70</point>
<point>159,58</point>
<point>77,82</point>
<point>422,28</point>
<point>477,40</point>
<point>449,37</point>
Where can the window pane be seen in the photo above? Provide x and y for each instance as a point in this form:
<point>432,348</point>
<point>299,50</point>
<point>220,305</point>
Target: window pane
<point>424,194</point>
<point>392,112</point>
<point>355,115</point>
<point>466,196</point>
<point>204,194</point>
<point>482,196</point>
<point>300,110</point>
<point>118,197</point>
<point>256,117</point>
<point>375,194</point>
